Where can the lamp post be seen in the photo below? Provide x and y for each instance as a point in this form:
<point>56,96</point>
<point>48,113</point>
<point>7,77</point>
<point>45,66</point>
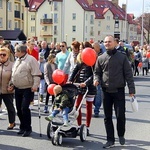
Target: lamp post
<point>142,23</point>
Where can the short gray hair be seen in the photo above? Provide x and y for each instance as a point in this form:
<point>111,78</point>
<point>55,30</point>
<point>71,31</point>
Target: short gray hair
<point>21,48</point>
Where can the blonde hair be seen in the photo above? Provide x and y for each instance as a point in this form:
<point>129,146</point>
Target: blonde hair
<point>5,49</point>
<point>51,57</point>
<point>57,89</point>
<point>79,60</point>
<point>136,48</point>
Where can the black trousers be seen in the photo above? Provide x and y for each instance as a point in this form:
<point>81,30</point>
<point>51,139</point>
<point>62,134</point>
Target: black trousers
<point>118,101</point>
<point>23,98</point>
<point>8,100</point>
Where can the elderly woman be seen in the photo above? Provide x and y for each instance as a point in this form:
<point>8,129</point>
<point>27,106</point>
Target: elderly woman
<point>5,88</point>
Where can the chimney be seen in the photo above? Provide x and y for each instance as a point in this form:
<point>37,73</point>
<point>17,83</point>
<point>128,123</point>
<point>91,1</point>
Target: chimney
<point>124,6</point>
<point>90,2</point>
<point>115,2</point>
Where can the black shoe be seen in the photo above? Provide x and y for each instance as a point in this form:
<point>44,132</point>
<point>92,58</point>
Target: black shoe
<point>26,133</point>
<point>121,140</point>
<point>109,144</point>
<point>20,132</point>
<point>96,115</point>
<point>88,133</point>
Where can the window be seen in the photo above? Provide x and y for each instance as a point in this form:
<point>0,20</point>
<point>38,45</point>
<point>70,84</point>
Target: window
<point>16,24</point>
<point>108,17</point>
<point>86,17</point>
<point>1,22</point>
<point>107,27</point>
<point>44,28</point>
<point>1,4</point>
<point>9,24</point>
<point>55,30</point>
<point>74,16</point>
<point>55,6</point>
<point>55,18</point>
<point>73,28</point>
<point>99,23</point>
<point>99,32</point>
<point>73,39</point>
<point>92,19</point>
<point>32,28</point>
<point>32,17</point>
<point>9,6</point>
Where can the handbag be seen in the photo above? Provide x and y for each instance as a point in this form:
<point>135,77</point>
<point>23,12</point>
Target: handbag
<point>134,104</point>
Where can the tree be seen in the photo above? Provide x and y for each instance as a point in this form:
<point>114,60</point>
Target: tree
<point>146,25</point>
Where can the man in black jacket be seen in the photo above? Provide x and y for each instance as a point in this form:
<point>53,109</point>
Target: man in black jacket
<point>112,71</point>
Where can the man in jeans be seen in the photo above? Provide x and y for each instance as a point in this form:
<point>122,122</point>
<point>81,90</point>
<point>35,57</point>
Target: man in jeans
<point>98,97</point>
<point>112,71</point>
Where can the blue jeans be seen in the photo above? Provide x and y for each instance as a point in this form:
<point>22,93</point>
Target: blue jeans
<point>97,100</point>
<point>42,87</point>
<point>65,112</point>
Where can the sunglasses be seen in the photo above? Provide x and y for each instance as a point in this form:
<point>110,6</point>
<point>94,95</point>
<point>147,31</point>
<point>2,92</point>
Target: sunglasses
<point>62,46</point>
<point>4,55</point>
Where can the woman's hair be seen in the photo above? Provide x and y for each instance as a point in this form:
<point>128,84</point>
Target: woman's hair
<point>76,44</point>
<point>79,60</point>
<point>51,57</point>
<point>5,49</point>
<point>136,48</point>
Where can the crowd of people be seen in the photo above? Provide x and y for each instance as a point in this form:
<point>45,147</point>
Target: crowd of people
<point>28,67</point>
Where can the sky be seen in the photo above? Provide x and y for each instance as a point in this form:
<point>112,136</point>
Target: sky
<point>136,6</point>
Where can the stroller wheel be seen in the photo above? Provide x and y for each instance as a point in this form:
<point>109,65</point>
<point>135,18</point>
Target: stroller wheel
<point>83,133</point>
<point>53,140</point>
<point>59,139</point>
<point>50,130</point>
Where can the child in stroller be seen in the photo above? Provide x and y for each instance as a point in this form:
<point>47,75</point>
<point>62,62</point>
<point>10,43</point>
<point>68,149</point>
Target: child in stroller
<point>61,104</point>
<point>56,129</point>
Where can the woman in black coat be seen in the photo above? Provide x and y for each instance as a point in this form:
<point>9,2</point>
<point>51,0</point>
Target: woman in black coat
<point>83,75</point>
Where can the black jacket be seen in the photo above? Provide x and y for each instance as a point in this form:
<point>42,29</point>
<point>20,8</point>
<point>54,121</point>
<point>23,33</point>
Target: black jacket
<point>112,70</point>
<point>83,73</point>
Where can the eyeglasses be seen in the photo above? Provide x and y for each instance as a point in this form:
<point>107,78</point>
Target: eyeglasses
<point>62,46</point>
<point>4,55</point>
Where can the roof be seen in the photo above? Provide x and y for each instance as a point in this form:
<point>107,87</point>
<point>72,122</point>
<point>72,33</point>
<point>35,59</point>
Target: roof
<point>13,35</point>
<point>102,6</point>
<point>34,5</point>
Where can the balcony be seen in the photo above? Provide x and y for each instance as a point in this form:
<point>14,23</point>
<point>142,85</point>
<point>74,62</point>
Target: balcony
<point>45,33</point>
<point>46,21</point>
<point>17,14</point>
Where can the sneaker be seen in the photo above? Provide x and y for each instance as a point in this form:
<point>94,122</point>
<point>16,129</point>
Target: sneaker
<point>0,109</point>
<point>49,118</point>
<point>109,144</point>
<point>46,109</point>
<point>96,115</point>
<point>66,124</point>
<point>121,140</point>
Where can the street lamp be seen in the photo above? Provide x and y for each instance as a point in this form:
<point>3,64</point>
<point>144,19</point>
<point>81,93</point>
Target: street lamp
<point>7,14</point>
<point>142,24</point>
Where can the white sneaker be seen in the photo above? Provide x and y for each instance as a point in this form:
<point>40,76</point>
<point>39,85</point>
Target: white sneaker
<point>66,124</point>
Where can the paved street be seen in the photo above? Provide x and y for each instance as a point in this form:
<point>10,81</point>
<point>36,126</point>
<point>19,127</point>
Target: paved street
<point>137,128</point>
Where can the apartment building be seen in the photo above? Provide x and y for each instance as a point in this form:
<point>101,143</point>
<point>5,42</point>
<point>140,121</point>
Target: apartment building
<point>58,20</point>
<point>11,16</point>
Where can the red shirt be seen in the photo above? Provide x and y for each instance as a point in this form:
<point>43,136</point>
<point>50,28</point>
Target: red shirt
<point>34,53</point>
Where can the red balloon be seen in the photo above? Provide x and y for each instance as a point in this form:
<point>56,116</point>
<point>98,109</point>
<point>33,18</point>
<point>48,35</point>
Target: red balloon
<point>50,89</point>
<point>89,56</point>
<point>140,64</point>
<point>148,55</point>
<point>58,76</point>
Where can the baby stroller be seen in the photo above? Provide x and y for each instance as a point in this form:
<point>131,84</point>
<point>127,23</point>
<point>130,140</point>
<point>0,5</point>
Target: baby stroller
<point>56,129</point>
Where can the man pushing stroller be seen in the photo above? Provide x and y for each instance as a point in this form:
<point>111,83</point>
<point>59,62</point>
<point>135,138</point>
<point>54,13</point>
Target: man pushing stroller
<point>61,104</point>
